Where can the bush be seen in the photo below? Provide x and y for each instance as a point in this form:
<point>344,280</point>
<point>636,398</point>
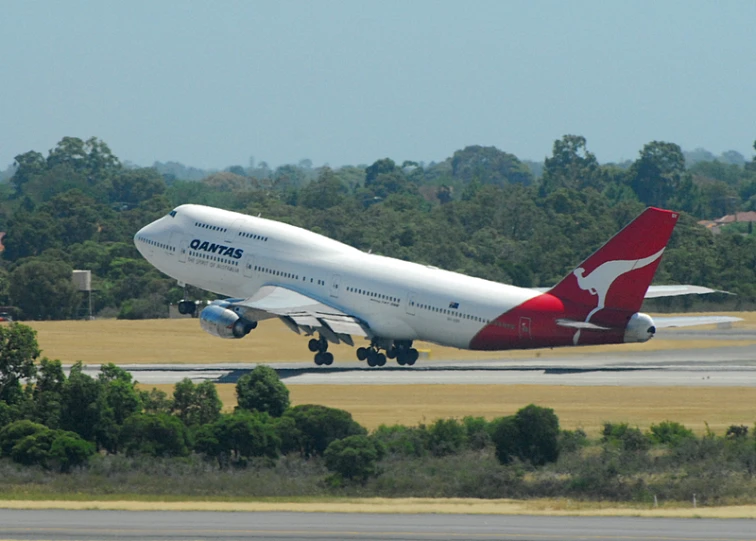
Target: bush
<point>11,434</point>
<point>620,434</point>
<point>239,437</point>
<point>446,437</point>
<point>669,433</point>
<point>532,435</point>
<point>70,451</point>
<point>403,440</point>
<point>318,426</point>
<point>477,433</point>
<point>572,440</point>
<point>262,390</point>
<point>354,457</point>
<point>154,435</point>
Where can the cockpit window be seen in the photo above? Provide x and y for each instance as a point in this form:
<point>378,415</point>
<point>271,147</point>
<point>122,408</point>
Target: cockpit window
<point>172,213</point>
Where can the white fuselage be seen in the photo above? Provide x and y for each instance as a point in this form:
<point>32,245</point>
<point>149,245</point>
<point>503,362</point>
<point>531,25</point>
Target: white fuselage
<point>235,255</point>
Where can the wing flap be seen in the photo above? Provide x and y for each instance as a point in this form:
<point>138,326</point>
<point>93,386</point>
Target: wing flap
<point>302,310</point>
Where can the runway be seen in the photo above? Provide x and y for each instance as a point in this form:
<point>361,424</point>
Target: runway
<point>720,366</point>
<point>167,525</point>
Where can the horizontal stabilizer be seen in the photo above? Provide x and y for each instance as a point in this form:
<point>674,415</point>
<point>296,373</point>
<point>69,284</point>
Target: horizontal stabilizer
<point>586,325</point>
<point>654,292</point>
<point>692,321</point>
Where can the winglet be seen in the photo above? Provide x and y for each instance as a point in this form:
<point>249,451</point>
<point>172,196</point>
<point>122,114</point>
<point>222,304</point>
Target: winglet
<point>618,274</point>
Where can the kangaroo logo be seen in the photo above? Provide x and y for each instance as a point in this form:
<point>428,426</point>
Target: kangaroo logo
<point>601,279</point>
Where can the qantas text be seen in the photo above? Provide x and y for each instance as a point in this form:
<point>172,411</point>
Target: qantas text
<point>219,249</point>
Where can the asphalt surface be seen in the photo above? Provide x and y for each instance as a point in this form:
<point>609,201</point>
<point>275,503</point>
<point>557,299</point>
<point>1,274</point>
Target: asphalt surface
<point>168,525</point>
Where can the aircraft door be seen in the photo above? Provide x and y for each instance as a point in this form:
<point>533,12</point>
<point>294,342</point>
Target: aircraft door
<point>249,265</point>
<point>335,282</point>
<point>411,304</point>
<point>524,328</point>
<point>183,249</point>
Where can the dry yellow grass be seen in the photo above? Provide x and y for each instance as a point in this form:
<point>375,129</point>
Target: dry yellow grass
<point>182,341</point>
<point>406,506</point>
<point>577,407</point>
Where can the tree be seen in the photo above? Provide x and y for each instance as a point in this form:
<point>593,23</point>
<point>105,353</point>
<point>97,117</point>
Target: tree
<point>70,451</point>
<point>657,173</point>
<point>43,289</point>
<point>28,165</point>
<point>239,437</point>
<point>47,395</point>
<point>80,412</point>
<point>318,426</point>
<point>531,435</point>
<point>158,435</point>
<point>196,404</point>
<point>262,390</point>
<point>354,457</point>
<point>18,351</point>
<point>489,165</point>
<point>571,165</point>
<point>132,186</point>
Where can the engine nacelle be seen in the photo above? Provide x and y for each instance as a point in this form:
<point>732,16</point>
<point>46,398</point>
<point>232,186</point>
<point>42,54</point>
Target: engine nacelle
<point>222,322</point>
<point>640,328</point>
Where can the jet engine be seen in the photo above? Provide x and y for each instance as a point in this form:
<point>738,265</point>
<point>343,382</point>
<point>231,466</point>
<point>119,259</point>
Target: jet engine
<point>640,328</point>
<point>224,323</point>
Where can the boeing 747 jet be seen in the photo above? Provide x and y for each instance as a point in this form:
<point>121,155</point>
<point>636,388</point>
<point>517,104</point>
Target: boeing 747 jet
<point>333,292</point>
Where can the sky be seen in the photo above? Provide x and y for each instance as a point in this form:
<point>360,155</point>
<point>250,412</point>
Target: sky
<point>213,83</point>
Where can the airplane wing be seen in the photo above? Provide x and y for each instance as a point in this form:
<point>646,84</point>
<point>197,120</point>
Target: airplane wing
<point>300,312</point>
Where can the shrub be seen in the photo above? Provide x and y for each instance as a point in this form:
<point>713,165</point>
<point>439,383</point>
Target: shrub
<point>354,457</point>
<point>736,432</point>
<point>669,433</point>
<point>572,440</point>
<point>403,440</point>
<point>239,437</point>
<point>620,434</point>
<point>476,431</point>
<point>262,390</point>
<point>11,434</point>
<point>446,437</point>
<point>531,435</point>
<point>154,435</point>
<point>318,426</point>
<point>70,451</point>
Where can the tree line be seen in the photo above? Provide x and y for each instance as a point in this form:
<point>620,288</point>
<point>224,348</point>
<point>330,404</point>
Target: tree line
<point>102,435</point>
<point>482,212</point>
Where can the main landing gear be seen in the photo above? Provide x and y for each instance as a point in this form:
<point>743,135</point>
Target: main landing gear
<point>319,346</point>
<point>187,307</point>
<point>401,350</point>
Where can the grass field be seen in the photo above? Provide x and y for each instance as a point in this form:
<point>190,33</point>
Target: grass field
<point>398,505</point>
<point>182,341</point>
<point>577,407</point>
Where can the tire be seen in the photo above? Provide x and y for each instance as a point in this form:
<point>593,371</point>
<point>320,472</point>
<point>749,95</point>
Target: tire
<point>401,359</point>
<point>381,359</point>
<point>412,356</point>
<point>314,345</point>
<point>391,353</point>
<point>362,354</point>
<point>319,358</point>
<point>327,358</point>
<point>372,358</point>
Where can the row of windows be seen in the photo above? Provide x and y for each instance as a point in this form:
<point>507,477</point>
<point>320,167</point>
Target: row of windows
<point>289,275</point>
<point>157,244</point>
<point>210,227</point>
<point>209,257</point>
<point>372,294</point>
<point>451,312</point>
<point>253,236</point>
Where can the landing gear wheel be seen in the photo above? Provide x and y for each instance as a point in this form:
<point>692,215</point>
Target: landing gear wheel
<point>187,307</point>
<point>362,354</point>
<point>372,358</point>
<point>380,359</point>
<point>401,359</point>
<point>391,353</point>
<point>327,358</point>
<point>314,345</point>
<point>319,358</point>
<point>412,356</point>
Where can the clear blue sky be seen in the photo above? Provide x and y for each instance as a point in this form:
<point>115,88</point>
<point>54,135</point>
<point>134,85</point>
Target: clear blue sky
<point>210,84</point>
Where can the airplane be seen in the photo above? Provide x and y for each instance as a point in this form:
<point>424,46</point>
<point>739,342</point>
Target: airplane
<point>315,284</point>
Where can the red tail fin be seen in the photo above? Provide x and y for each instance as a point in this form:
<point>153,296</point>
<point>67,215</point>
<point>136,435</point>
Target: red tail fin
<point>618,274</point>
